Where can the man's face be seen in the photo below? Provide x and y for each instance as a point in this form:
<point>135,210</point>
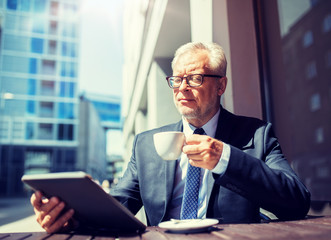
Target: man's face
<point>197,104</point>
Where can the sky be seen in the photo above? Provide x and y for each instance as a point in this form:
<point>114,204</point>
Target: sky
<point>101,54</point>
<point>290,12</point>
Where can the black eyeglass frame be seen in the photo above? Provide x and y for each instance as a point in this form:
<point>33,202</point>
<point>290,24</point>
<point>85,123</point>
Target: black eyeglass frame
<point>182,79</point>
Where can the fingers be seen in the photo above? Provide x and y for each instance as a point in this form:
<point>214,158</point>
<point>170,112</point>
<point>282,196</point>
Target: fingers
<point>196,138</point>
<point>203,151</point>
<point>196,144</point>
<point>50,209</point>
<point>36,199</point>
<point>52,223</point>
<point>49,212</point>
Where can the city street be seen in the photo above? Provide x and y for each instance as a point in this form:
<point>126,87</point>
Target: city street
<point>16,215</point>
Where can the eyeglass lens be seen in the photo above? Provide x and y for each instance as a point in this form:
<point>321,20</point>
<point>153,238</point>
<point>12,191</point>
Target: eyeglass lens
<point>192,80</point>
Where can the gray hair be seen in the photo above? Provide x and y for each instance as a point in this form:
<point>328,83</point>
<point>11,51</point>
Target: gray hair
<point>217,59</point>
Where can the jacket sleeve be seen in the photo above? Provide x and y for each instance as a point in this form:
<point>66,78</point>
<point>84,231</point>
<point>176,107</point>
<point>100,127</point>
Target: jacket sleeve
<point>264,176</point>
<point>127,190</point>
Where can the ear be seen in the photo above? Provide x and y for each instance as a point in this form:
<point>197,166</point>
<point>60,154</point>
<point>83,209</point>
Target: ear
<point>222,85</point>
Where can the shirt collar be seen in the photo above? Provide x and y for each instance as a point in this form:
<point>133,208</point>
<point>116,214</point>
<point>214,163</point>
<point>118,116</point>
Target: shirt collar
<point>209,127</point>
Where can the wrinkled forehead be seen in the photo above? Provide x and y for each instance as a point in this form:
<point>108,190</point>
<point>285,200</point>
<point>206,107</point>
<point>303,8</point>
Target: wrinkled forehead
<point>191,62</point>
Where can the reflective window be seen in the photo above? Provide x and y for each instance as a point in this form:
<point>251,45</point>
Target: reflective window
<point>17,130</point>
<point>11,21</point>
<point>37,45</point>
<point>53,27</point>
<point>54,8</point>
<point>31,107</point>
<point>33,65</point>
<point>70,157</point>
<point>46,109</point>
<point>108,111</point>
<point>48,67</point>
<point>68,69</point>
<point>315,102</point>
<point>25,5</point>
<point>37,161</point>
<point>39,6</point>
<point>47,88</point>
<point>4,127</point>
<point>24,23</point>
<point>69,30</point>
<point>14,107</point>
<point>311,71</point>
<point>12,4</point>
<point>31,87</point>
<point>66,110</point>
<point>52,47</point>
<point>38,24</point>
<point>69,49</point>
<point>319,135</point>
<point>29,130</point>
<point>301,115</point>
<point>45,131</point>
<point>15,22</point>
<point>22,5</point>
<point>327,23</point>
<point>110,117</point>
<point>16,43</point>
<point>65,131</point>
<point>67,89</point>
<point>307,39</point>
<point>19,64</point>
<point>14,85</point>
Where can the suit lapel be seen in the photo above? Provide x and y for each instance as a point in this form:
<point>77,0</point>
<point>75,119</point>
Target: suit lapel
<point>224,126</point>
<point>227,132</point>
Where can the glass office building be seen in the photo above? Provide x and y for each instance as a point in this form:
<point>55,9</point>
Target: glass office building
<point>38,86</point>
<point>108,108</point>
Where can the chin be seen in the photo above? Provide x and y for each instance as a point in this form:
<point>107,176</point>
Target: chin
<point>188,113</point>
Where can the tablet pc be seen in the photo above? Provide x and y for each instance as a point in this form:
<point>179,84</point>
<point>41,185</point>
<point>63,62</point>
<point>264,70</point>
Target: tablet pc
<point>93,206</point>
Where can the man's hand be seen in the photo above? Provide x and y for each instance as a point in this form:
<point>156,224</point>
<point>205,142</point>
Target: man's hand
<point>203,151</point>
<point>48,212</point>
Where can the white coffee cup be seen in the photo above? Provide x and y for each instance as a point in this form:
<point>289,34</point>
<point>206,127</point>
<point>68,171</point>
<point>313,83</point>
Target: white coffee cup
<point>169,144</point>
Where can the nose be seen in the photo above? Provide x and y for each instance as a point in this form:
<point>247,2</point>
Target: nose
<point>184,85</point>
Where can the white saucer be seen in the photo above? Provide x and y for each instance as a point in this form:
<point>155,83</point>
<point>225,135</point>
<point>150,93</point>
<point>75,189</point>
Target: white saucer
<point>188,226</point>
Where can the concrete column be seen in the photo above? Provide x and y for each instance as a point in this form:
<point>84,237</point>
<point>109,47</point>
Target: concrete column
<point>140,123</point>
<point>234,29</point>
<point>161,109</point>
<point>201,13</point>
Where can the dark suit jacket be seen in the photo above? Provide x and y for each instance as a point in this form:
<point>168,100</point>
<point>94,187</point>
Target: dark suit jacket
<point>258,175</point>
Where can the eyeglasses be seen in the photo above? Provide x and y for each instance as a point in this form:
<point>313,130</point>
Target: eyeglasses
<point>193,80</point>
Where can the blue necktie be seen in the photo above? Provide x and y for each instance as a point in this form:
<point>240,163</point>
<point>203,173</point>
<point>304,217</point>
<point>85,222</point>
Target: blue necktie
<point>191,190</point>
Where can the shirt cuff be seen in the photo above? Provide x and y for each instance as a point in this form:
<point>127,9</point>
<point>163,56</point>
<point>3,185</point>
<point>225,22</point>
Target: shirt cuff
<point>222,164</point>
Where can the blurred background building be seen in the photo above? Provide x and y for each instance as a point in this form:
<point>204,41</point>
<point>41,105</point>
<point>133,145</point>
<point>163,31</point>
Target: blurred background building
<point>98,113</point>
<point>279,70</point>
<point>39,65</point>
<point>44,125</point>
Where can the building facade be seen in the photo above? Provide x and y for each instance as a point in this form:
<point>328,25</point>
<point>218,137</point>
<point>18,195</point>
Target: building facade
<point>99,115</point>
<point>91,152</point>
<point>108,108</point>
<point>39,53</point>
<point>306,50</point>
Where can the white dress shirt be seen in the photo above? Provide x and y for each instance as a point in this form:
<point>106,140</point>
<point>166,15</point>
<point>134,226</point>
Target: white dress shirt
<point>206,178</point>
